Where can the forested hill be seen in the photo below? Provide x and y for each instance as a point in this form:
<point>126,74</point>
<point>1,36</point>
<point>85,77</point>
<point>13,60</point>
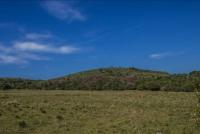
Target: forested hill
<point>110,79</point>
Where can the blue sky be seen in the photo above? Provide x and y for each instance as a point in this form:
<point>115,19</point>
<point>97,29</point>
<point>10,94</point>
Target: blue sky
<point>46,39</point>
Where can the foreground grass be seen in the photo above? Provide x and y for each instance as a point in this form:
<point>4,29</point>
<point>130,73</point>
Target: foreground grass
<point>102,112</point>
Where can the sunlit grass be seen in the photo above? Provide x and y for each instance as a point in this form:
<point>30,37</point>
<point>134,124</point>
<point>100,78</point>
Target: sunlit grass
<point>90,112</point>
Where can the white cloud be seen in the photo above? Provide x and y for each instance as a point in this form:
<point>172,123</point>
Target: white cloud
<point>24,52</point>
<point>155,56</point>
<point>63,10</point>
<point>29,49</point>
<point>11,59</point>
<point>36,36</point>
<point>160,55</point>
<point>66,49</point>
<point>20,58</point>
<point>37,47</point>
<point>30,46</point>
<point>165,55</point>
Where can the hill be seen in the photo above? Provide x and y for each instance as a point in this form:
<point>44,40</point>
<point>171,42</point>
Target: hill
<point>111,79</point>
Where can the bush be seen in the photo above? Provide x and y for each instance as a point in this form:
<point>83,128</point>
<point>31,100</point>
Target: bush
<point>59,117</point>
<point>168,87</point>
<point>5,87</point>
<point>187,87</point>
<point>22,124</point>
<point>149,85</point>
<point>43,111</point>
<point>153,86</point>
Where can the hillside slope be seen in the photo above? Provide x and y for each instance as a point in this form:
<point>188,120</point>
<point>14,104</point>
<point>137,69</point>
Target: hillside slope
<point>111,79</point>
<point>106,79</point>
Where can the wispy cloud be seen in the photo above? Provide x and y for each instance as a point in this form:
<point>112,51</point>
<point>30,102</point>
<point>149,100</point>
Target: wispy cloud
<point>37,47</point>
<point>38,36</point>
<point>10,59</point>
<point>34,46</point>
<point>63,10</point>
<point>159,55</point>
<point>20,58</point>
<point>23,52</point>
<point>164,55</point>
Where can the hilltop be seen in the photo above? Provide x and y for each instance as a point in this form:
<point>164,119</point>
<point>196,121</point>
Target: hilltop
<point>113,78</point>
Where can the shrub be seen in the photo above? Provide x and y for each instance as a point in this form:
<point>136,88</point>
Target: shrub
<point>168,87</point>
<point>153,86</point>
<point>5,86</point>
<point>22,124</point>
<point>17,116</point>
<point>59,117</point>
<point>43,111</point>
<point>187,87</point>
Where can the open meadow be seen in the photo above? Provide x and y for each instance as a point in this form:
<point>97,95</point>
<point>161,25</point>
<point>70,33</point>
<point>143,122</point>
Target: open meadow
<point>92,112</point>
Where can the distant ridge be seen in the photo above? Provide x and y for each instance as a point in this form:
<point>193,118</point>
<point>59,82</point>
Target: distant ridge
<point>114,72</point>
<point>112,78</point>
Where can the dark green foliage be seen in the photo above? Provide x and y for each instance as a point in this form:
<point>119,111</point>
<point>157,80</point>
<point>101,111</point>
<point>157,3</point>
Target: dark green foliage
<point>153,86</point>
<point>5,86</point>
<point>111,79</point>
<point>59,117</point>
<point>43,111</point>
<point>18,83</point>
<point>22,124</point>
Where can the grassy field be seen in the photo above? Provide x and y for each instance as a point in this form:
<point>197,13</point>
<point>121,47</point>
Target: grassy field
<point>102,112</point>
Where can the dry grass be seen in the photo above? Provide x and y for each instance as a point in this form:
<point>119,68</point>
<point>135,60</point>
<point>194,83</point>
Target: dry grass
<point>102,112</point>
